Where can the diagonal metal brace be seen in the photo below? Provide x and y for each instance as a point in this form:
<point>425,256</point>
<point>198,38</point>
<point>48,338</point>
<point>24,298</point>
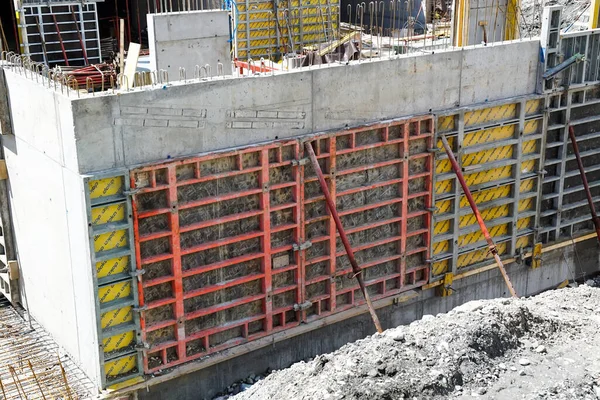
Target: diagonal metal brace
<point>484,230</point>
<point>338,223</point>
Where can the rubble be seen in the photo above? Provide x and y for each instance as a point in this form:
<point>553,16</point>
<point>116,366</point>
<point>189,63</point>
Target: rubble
<point>539,347</point>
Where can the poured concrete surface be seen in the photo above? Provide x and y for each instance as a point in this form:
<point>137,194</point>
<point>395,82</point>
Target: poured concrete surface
<point>184,119</point>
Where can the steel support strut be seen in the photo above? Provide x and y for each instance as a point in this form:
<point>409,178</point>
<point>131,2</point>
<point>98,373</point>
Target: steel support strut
<point>343,237</point>
<point>488,238</point>
<point>586,186</point>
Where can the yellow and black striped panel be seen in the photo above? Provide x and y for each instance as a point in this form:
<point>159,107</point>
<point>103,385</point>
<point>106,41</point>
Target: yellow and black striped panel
<point>111,240</point>
<point>108,213</point>
<point>118,342</point>
<point>114,266</point>
<point>115,291</point>
<point>440,267</point>
<point>113,318</point>
<point>127,383</point>
<point>106,187</point>
<point>120,366</point>
<point>491,115</point>
<point>533,107</point>
<point>489,135</point>
<point>446,123</point>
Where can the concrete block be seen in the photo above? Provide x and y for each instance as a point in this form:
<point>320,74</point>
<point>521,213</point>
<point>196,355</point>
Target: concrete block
<point>188,39</point>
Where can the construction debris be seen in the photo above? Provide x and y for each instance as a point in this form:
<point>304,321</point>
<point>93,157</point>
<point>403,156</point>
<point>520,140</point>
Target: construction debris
<point>541,347</point>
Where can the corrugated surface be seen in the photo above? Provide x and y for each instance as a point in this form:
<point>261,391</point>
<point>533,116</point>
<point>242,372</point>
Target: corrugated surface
<point>230,243</point>
<point>499,152</point>
<point>111,235</point>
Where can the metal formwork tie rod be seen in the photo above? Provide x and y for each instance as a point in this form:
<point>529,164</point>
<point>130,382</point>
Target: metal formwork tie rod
<point>488,238</point>
<point>338,223</point>
<point>586,186</point>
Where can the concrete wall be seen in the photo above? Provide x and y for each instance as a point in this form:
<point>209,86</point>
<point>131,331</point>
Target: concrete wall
<point>50,222</point>
<point>187,39</point>
<point>487,285</point>
<point>183,119</point>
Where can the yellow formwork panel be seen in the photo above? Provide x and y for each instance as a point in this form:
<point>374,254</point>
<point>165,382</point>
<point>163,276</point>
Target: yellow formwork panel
<point>531,127</point>
<point>446,123</point>
<point>443,206</point>
<point>528,185</point>
<point>106,187</point>
<point>444,187</point>
<point>116,317</point>
<point>107,214</point>
<point>259,24</point>
<point>490,115</point>
<point>110,240</point>
<point>487,156</point>
<point>474,257</point>
<point>114,292</point>
<point>118,342</point>
<point>120,366</point>
<point>489,135</point>
<point>113,266</point>
<point>489,175</point>
<point>533,107</point>
<point>440,267</point>
<point>127,383</point>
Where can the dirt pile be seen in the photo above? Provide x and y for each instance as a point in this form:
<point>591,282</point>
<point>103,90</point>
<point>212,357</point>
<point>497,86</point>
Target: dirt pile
<point>544,347</point>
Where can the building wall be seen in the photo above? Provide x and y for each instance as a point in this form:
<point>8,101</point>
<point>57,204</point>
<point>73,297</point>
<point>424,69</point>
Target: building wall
<point>177,120</point>
<point>50,223</point>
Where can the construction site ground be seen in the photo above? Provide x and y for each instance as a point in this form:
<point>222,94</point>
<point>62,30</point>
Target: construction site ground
<point>543,347</point>
<point>32,366</point>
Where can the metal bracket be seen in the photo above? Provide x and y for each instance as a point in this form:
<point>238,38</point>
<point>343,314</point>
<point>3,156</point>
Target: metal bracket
<point>302,246</point>
<point>304,306</point>
<point>140,309</point>
<point>302,161</point>
<point>536,255</point>
<point>131,192</point>
<point>142,346</point>
<point>137,273</point>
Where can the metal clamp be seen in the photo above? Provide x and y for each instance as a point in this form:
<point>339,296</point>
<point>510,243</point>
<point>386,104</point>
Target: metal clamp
<point>140,309</point>
<point>142,346</point>
<point>137,273</point>
<point>302,161</point>
<point>302,246</point>
<point>131,192</point>
<point>303,306</point>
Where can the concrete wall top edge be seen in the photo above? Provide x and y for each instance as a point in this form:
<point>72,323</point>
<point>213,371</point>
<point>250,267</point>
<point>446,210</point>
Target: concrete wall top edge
<point>189,118</point>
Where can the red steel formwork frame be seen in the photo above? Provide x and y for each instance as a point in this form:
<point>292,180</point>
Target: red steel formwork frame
<point>237,245</point>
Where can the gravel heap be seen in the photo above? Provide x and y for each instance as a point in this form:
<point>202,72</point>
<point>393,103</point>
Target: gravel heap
<point>543,347</point>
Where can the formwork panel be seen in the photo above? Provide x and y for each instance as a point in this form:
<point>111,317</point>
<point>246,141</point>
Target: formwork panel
<point>265,29</point>
<point>564,211</point>
<point>111,242</point>
<point>237,245</point>
<point>498,147</point>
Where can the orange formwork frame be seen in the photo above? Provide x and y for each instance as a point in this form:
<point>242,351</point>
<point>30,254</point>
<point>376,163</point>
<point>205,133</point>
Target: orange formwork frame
<point>171,196</point>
